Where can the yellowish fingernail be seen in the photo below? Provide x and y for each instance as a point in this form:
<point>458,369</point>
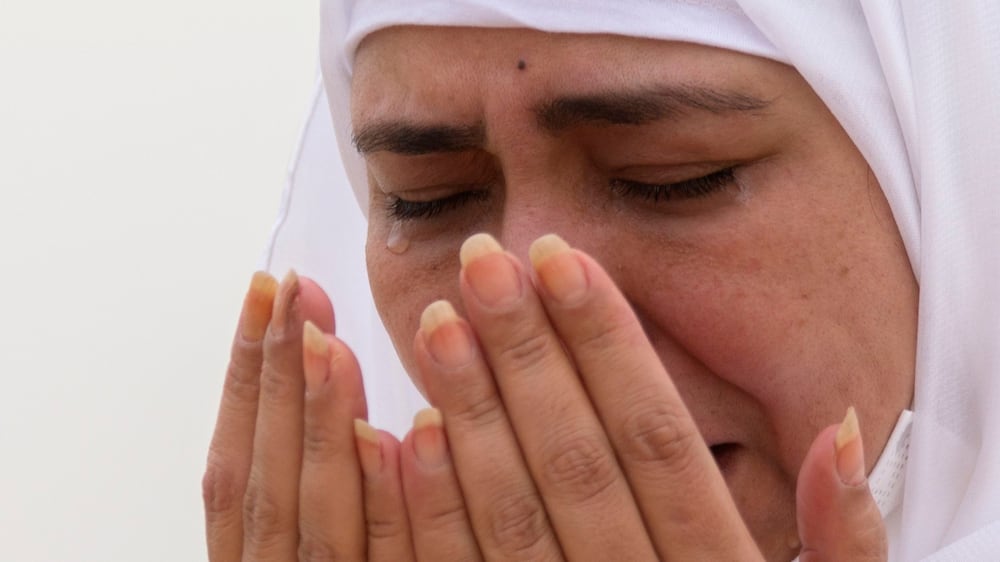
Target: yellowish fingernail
<point>429,441</point>
<point>447,340</point>
<point>558,268</point>
<point>546,246</point>
<point>478,245</point>
<point>287,291</point>
<point>363,430</point>
<point>491,275</point>
<point>369,447</point>
<point>257,306</point>
<point>436,314</point>
<point>428,417</point>
<point>850,450</point>
<point>315,356</point>
<point>313,339</point>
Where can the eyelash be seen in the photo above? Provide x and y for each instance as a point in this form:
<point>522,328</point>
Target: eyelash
<point>402,209</point>
<point>687,189</point>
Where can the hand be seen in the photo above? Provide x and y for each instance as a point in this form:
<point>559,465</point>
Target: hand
<point>283,480</point>
<point>548,457</point>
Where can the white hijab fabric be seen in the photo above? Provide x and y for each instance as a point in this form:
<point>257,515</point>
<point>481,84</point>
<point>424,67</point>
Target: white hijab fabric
<point>915,85</point>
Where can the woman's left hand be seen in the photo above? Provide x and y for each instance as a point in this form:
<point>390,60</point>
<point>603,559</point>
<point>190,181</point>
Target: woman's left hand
<point>566,438</point>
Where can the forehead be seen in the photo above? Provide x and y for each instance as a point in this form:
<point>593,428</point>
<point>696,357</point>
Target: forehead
<point>470,73</point>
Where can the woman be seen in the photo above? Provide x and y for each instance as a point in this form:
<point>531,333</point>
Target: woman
<point>753,195</point>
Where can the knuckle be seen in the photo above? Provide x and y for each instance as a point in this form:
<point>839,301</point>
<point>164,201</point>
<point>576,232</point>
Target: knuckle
<point>313,548</point>
<point>262,517</point>
<point>578,468</point>
<point>518,524</point>
<point>220,490</point>
<point>445,517</point>
<point>600,334</point>
<point>528,352</point>
<point>479,411</point>
<point>659,435</point>
<point>277,382</point>
<point>318,442</point>
<point>243,374</point>
<point>381,527</point>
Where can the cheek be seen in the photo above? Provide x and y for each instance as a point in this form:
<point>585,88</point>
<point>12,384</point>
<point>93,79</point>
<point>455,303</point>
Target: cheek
<point>404,283</point>
<point>790,310</point>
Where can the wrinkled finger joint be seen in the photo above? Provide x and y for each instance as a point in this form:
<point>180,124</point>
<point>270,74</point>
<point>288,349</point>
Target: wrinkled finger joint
<point>518,525</point>
<point>579,468</point>
<point>450,516</point>
<point>221,491</point>
<point>380,527</point>
<point>320,443</point>
<point>661,436</point>
<point>483,410</point>
<point>243,374</point>
<point>281,383</point>
<point>263,520</point>
<point>604,334</point>
<point>529,353</point>
<point>313,548</point>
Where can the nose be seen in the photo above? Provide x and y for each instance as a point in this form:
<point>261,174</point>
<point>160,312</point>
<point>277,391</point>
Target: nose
<point>531,212</point>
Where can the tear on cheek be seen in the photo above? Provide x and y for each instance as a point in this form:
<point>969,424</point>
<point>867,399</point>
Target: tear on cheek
<point>398,240</point>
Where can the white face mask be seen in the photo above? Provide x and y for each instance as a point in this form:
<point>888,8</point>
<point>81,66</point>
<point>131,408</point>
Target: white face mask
<point>914,89</point>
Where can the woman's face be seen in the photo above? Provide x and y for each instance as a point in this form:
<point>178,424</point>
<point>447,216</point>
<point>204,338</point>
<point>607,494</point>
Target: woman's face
<point>725,200</point>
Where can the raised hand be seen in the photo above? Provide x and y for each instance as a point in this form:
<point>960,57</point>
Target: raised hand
<point>283,480</point>
<point>568,439</point>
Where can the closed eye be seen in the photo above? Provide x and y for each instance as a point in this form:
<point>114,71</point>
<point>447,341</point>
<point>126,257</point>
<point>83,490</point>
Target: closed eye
<point>404,209</point>
<point>687,189</point>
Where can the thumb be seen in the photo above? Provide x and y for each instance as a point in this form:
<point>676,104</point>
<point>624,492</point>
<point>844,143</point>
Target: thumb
<point>837,516</point>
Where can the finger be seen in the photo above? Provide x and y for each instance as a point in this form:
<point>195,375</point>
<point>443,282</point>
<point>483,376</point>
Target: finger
<point>270,509</point>
<point>331,506</point>
<point>838,518</point>
<point>684,499</point>
<point>437,514</point>
<point>386,519</point>
<point>566,449</point>
<point>507,514</point>
<point>232,443</point>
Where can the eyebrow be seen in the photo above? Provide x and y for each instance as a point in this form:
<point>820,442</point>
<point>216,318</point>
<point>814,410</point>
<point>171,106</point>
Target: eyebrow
<point>611,108</point>
<point>413,139</point>
<point>643,106</point>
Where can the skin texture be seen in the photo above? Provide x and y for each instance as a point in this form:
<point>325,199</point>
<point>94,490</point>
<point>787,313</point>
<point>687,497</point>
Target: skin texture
<point>579,389</point>
<point>773,303</point>
<point>567,466</point>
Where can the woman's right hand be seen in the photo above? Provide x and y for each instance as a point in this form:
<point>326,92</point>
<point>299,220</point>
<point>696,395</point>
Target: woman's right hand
<point>283,480</point>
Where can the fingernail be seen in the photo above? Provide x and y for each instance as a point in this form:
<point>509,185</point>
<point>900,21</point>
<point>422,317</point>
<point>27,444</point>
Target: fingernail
<point>287,291</point>
<point>369,448</point>
<point>447,340</point>
<point>850,451</point>
<point>257,306</point>
<point>315,357</point>
<point>428,438</point>
<point>558,269</point>
<point>489,272</point>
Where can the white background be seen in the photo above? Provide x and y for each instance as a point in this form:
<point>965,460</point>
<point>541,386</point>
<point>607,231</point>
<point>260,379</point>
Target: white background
<point>143,146</point>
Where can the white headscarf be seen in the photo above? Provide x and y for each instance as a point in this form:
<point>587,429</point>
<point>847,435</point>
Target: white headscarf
<point>914,84</point>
